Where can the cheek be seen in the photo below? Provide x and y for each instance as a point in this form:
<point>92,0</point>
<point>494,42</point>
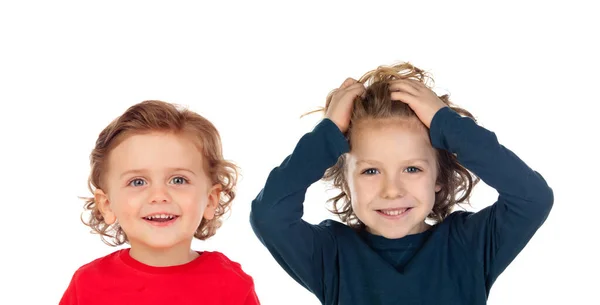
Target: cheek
<point>362,190</point>
<point>425,189</point>
<point>191,201</point>
<point>126,204</point>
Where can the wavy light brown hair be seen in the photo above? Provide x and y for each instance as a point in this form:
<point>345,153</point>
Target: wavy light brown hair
<point>456,181</point>
<point>149,116</point>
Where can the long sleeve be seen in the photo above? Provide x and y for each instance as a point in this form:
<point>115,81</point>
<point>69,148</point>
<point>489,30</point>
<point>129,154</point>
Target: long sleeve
<point>496,234</point>
<point>307,252</point>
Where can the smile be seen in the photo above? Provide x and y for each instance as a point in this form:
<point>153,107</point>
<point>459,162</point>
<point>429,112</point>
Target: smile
<point>161,219</point>
<point>394,213</point>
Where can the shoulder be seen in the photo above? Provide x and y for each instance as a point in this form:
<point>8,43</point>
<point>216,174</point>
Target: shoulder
<point>230,279</point>
<point>464,230</point>
<point>468,222</point>
<point>455,223</point>
<point>335,226</point>
<point>457,217</point>
<point>339,233</point>
<point>94,268</point>
<point>219,263</point>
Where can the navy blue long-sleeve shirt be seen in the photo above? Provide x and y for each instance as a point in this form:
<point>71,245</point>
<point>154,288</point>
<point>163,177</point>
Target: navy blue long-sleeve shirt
<point>454,262</point>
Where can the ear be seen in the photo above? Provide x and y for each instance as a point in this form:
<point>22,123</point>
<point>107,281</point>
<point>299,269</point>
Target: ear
<point>214,196</point>
<point>438,188</point>
<point>104,206</point>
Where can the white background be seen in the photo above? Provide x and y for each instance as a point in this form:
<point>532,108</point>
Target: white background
<point>528,71</point>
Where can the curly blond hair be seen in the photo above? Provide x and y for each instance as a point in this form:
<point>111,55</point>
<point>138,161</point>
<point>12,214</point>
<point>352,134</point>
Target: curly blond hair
<point>456,181</point>
<point>153,115</point>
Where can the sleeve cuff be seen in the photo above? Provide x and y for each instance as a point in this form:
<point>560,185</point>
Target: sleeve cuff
<point>336,141</point>
<point>440,124</point>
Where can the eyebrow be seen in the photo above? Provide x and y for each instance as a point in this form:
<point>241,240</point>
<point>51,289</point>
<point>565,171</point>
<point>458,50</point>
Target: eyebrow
<point>141,171</point>
<point>404,161</point>
<point>366,161</point>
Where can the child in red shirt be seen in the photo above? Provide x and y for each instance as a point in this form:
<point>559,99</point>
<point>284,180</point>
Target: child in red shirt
<point>158,180</point>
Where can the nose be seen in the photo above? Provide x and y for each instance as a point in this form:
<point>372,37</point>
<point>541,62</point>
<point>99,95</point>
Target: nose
<point>159,194</point>
<point>392,188</point>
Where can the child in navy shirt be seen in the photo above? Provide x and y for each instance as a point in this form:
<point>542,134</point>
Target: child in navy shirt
<point>402,158</point>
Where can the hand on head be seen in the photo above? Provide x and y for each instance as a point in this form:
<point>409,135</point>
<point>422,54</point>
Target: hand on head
<point>422,100</point>
<point>339,108</point>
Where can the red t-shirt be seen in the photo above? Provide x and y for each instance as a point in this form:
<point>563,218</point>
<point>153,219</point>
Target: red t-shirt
<point>119,279</point>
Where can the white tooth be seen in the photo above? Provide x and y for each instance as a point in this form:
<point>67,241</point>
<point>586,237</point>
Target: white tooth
<point>160,216</point>
<point>394,212</point>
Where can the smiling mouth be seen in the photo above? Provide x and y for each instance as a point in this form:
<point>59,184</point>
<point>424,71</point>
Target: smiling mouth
<point>394,212</point>
<point>160,218</point>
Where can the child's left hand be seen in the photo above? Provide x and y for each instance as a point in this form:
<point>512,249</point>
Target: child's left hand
<point>422,100</point>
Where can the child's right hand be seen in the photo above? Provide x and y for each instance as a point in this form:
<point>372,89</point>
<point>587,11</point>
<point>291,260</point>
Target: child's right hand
<point>339,108</point>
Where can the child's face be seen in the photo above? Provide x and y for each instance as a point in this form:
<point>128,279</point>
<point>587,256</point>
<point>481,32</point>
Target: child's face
<point>158,190</point>
<point>391,174</point>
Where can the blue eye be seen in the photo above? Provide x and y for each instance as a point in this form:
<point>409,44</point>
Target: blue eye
<point>137,182</point>
<point>412,170</point>
<point>370,171</point>
<point>179,180</point>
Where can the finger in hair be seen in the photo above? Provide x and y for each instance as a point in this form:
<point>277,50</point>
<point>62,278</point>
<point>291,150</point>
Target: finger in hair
<point>404,86</point>
<point>356,86</point>
<point>416,83</point>
<point>401,96</point>
<point>349,81</point>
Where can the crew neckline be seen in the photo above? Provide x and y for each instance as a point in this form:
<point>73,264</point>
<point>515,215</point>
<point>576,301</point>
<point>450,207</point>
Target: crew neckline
<point>137,265</point>
<point>403,243</point>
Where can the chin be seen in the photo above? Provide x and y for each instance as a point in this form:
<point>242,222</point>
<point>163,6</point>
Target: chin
<point>161,244</point>
<point>399,231</point>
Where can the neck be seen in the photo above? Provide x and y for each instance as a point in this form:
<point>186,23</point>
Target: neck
<point>163,257</point>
